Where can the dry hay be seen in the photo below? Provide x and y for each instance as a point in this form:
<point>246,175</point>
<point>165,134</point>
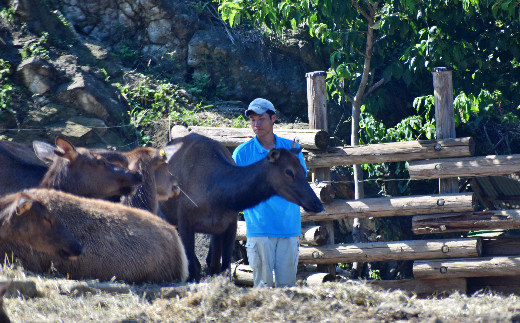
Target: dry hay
<point>218,299</point>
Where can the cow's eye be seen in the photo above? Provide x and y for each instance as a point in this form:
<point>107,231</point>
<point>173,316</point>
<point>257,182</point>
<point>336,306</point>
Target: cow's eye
<point>289,173</point>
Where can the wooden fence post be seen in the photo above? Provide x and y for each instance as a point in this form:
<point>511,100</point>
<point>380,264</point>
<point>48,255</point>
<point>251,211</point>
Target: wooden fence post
<point>444,117</point>
<point>317,111</point>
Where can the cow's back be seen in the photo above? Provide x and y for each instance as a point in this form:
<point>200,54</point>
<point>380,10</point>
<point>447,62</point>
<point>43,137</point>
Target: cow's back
<point>131,244</point>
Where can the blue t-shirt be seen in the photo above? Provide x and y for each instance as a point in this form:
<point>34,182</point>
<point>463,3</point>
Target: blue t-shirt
<point>275,217</point>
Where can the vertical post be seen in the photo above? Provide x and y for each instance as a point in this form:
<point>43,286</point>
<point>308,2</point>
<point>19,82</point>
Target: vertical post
<point>317,111</point>
<point>444,117</point>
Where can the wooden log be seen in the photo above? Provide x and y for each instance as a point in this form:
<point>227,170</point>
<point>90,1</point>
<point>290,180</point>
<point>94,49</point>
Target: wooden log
<point>508,246</point>
<point>317,112</point>
<point>232,137</point>
<point>468,221</point>
<point>393,206</point>
<point>311,235</point>
<point>423,287</point>
<point>465,167</point>
<point>391,152</point>
<point>467,267</point>
<point>501,285</point>
<point>444,117</point>
<point>242,275</point>
<point>324,191</point>
<point>392,250</point>
<point>320,278</point>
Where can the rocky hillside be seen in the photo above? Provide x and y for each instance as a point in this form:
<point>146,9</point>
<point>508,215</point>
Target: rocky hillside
<point>62,60</point>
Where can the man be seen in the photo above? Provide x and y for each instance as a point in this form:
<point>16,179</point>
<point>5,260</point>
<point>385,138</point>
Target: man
<point>273,226</point>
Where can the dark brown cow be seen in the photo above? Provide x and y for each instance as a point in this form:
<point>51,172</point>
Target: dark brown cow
<point>118,241</point>
<point>216,190</point>
<point>20,168</point>
<point>158,184</point>
<point>23,218</point>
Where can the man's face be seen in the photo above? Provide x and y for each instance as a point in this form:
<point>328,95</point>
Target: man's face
<point>261,123</point>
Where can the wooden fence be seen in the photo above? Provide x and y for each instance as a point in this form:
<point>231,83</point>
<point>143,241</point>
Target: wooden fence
<point>464,264</point>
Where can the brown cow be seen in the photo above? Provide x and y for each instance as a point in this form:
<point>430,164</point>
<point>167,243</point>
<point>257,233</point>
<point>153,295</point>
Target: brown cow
<point>23,218</point>
<point>216,190</point>
<point>118,241</point>
<point>158,184</point>
<point>4,287</point>
<point>81,172</point>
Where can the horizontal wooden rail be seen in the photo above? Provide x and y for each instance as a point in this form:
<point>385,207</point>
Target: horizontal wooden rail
<point>501,246</point>
<point>467,267</point>
<point>232,137</point>
<point>243,276</point>
<point>393,206</point>
<point>393,250</point>
<point>312,235</point>
<point>465,167</point>
<point>466,221</point>
<point>391,152</point>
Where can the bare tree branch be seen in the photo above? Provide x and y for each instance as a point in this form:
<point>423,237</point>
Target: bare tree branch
<point>359,52</point>
<point>361,11</point>
<point>373,88</point>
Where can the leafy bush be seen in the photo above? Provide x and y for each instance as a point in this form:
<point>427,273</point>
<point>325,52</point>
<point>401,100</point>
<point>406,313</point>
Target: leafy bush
<point>152,99</point>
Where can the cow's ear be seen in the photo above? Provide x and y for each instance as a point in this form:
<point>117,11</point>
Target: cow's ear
<point>44,151</point>
<point>170,150</point>
<point>273,155</point>
<point>66,149</point>
<point>23,205</point>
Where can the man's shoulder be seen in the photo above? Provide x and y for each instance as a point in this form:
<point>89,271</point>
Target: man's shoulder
<point>286,143</point>
<point>244,149</point>
<point>245,145</point>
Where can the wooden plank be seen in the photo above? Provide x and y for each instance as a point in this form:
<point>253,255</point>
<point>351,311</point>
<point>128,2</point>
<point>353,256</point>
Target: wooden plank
<point>391,152</point>
<point>465,167</point>
<point>393,206</point>
<point>392,250</point>
<point>232,137</point>
<point>467,221</point>
<point>467,267</point>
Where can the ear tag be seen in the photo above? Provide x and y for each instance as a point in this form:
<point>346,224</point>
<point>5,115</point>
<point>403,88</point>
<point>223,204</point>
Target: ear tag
<point>162,153</point>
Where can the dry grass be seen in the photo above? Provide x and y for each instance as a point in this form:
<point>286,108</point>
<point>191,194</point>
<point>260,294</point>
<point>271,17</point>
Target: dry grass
<point>219,300</point>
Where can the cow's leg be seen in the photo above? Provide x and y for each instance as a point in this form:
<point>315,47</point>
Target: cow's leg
<point>228,243</point>
<point>214,254</point>
<point>188,239</point>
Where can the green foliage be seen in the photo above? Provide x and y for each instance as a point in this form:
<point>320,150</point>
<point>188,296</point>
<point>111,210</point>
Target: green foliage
<point>240,122</point>
<point>6,89</point>
<point>200,83</point>
<point>151,99</point>
<point>7,14</point>
<point>36,48</point>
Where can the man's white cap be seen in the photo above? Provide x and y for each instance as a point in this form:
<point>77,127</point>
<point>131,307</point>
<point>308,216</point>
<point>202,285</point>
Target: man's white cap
<point>260,106</point>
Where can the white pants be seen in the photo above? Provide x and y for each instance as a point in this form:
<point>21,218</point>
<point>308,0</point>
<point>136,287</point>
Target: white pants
<point>266,254</point>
